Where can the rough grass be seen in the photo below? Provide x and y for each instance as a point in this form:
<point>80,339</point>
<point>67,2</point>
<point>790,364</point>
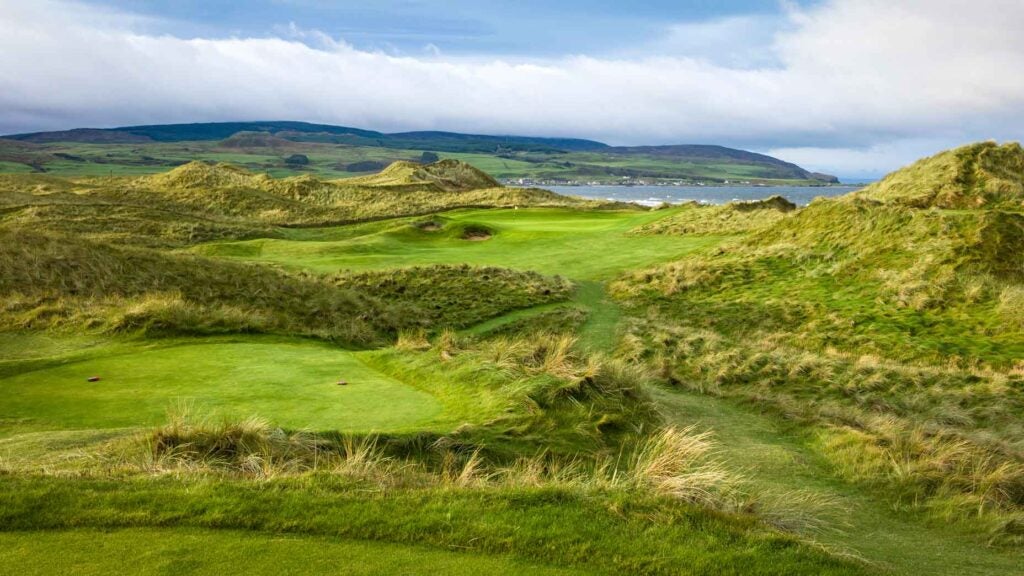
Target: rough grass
<point>459,296</point>
<point>945,438</point>
<point>731,218</point>
<point>53,281</point>
<point>984,174</point>
<point>95,552</point>
<point>911,284</point>
<point>527,394</point>
<point>200,202</point>
<point>884,321</point>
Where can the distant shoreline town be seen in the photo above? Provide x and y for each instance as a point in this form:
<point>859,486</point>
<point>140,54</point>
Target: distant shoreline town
<point>629,182</point>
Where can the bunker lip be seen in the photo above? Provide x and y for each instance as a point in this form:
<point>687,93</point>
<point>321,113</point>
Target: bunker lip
<point>476,233</point>
<point>429,226</point>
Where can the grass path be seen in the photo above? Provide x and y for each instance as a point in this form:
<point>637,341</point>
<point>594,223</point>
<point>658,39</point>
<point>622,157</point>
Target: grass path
<point>777,462</point>
<point>600,332</point>
<point>523,313</point>
<point>155,551</point>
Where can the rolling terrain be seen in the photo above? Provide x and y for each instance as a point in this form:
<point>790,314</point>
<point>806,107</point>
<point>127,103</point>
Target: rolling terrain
<point>296,148</point>
<point>420,370</point>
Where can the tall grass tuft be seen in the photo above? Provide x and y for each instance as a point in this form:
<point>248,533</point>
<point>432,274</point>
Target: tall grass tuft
<point>250,447</point>
<point>677,463</point>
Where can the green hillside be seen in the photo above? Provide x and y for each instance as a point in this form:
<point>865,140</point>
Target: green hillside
<point>420,370</point>
<point>333,151</point>
<point>888,320</point>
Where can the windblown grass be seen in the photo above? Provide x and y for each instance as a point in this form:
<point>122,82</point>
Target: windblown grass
<point>199,202</point>
<point>983,174</point>
<point>53,281</point>
<point>884,321</point>
<point>731,218</point>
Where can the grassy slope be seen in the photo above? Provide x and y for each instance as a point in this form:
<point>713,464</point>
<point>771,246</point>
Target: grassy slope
<point>731,218</point>
<point>983,174</point>
<point>779,462</point>
<point>530,242</point>
<point>91,552</point>
<point>551,526</point>
<point>332,161</point>
<point>579,246</point>
<point>886,325</point>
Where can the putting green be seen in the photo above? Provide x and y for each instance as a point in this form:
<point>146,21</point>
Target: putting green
<point>291,384</point>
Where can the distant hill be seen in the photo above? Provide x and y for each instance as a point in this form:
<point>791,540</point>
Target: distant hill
<point>519,159</point>
<point>306,132</point>
<point>711,154</point>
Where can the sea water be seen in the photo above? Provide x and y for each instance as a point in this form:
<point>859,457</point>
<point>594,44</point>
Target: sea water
<point>655,195</point>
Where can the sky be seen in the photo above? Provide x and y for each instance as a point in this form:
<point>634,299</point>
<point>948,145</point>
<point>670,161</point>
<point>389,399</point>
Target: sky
<point>850,87</point>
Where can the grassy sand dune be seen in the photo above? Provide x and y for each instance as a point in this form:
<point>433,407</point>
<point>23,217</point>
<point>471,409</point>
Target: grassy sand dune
<point>536,385</point>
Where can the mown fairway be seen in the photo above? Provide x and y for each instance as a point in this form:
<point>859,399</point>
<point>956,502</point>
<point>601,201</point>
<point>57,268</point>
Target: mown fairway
<point>293,383</point>
<point>579,245</point>
<point>494,418</point>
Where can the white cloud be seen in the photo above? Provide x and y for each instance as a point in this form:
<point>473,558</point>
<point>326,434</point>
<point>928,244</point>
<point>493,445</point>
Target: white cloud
<point>852,74</point>
<point>734,41</point>
<point>865,163</point>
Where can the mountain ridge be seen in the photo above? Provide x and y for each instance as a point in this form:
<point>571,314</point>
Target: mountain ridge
<point>302,132</point>
<point>551,155</point>
<point>521,160</point>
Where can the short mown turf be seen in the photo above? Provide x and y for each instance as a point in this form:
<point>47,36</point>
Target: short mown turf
<point>215,552</point>
<point>290,383</point>
<point>579,245</point>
